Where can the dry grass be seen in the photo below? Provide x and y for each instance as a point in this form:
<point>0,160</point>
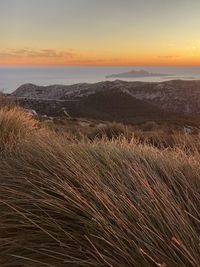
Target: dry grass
<point>102,203</point>
<point>160,140</point>
<point>15,126</point>
<point>109,131</point>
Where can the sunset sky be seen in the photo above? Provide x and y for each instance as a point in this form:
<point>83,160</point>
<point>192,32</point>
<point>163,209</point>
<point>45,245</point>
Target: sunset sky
<point>99,32</point>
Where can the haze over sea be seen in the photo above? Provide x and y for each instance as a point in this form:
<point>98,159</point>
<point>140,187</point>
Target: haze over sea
<point>12,77</point>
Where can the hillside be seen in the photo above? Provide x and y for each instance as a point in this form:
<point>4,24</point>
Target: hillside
<point>124,108</point>
<point>119,106</point>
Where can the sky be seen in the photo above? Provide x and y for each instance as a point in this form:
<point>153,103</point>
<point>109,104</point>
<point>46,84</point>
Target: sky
<point>100,32</point>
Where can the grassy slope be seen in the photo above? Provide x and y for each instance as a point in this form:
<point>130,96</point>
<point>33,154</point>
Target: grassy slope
<point>101,203</point>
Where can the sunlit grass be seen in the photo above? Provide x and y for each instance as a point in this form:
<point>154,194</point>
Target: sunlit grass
<point>15,125</point>
<point>98,203</point>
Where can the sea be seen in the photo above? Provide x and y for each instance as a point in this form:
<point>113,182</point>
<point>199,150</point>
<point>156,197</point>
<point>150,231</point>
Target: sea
<point>13,77</point>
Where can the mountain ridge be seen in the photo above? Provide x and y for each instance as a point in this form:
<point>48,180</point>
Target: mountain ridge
<point>177,96</point>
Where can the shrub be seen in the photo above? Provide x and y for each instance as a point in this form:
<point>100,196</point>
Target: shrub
<point>149,126</point>
<point>7,101</point>
<point>110,131</point>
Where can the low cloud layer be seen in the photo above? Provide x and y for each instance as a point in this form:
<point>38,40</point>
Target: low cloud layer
<point>42,53</point>
<point>170,57</point>
<point>51,56</point>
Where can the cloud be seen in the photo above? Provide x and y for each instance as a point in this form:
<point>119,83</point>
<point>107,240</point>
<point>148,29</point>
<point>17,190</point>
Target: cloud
<point>42,53</point>
<point>26,56</point>
<point>170,56</point>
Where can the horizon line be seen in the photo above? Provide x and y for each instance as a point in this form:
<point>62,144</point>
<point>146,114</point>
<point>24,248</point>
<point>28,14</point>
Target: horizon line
<point>98,66</point>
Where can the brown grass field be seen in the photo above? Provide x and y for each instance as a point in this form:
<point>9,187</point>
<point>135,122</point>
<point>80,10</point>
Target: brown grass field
<point>99,201</point>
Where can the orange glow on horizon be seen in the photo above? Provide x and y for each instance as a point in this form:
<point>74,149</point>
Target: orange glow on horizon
<point>101,62</point>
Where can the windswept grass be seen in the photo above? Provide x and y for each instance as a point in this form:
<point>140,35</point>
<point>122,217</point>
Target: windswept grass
<point>15,126</point>
<point>102,203</point>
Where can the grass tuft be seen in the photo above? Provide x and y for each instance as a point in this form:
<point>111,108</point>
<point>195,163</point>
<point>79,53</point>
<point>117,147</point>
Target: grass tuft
<point>15,126</point>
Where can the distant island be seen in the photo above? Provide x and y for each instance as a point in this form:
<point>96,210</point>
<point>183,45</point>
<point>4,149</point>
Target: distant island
<point>137,74</point>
